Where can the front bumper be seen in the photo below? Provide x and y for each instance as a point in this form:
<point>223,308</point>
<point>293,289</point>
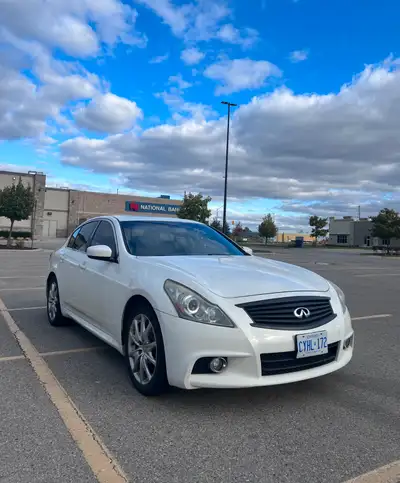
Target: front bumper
<point>186,342</point>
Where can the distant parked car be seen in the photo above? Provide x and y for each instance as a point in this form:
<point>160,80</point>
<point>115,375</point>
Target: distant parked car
<point>188,307</point>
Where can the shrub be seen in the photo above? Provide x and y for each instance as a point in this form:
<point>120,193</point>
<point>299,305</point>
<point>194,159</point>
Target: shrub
<point>15,234</point>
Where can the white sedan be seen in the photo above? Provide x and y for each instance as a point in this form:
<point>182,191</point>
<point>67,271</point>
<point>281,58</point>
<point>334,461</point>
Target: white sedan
<point>187,307</point>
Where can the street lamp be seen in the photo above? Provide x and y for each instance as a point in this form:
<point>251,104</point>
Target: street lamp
<point>217,212</point>
<point>229,104</point>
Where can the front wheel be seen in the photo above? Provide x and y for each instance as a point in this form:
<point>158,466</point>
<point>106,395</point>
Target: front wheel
<point>144,352</point>
<point>54,315</point>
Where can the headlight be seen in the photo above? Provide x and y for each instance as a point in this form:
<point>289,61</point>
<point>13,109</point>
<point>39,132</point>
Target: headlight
<point>341,296</point>
<point>191,306</point>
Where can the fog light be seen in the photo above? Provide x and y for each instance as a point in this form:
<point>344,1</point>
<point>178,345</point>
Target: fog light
<point>218,364</point>
<point>348,342</point>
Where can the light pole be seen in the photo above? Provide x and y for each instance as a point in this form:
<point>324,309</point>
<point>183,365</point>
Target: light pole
<point>217,212</point>
<point>229,104</point>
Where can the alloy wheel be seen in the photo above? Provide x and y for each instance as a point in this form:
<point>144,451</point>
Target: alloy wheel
<point>52,301</point>
<point>142,349</point>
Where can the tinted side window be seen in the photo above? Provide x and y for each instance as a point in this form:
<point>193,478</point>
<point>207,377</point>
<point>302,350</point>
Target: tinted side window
<point>105,236</point>
<point>72,238</point>
<point>83,236</point>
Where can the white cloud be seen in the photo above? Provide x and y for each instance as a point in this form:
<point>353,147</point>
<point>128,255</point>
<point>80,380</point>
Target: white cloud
<point>108,113</point>
<point>239,74</point>
<point>27,107</point>
<point>65,24</point>
<point>192,56</point>
<point>159,59</point>
<point>40,103</point>
<point>245,37</point>
<point>179,81</point>
<point>181,109</point>
<point>173,16</point>
<point>323,154</point>
<point>201,20</point>
<point>298,55</point>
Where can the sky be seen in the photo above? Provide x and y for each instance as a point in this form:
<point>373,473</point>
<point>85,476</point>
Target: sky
<point>126,95</point>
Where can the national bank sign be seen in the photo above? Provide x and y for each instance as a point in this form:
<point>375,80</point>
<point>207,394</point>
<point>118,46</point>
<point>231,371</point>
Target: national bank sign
<point>143,207</point>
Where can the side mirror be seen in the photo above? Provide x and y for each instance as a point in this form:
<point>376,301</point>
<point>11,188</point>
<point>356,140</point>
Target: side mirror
<point>99,252</point>
<point>248,250</point>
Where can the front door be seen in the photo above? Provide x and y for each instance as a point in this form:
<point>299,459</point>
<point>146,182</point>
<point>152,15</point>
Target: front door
<point>72,262</point>
<point>104,289</point>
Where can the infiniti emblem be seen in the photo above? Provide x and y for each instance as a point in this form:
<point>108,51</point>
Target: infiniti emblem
<point>302,313</point>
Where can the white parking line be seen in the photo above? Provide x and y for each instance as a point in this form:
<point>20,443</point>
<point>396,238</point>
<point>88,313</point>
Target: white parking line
<point>26,308</point>
<point>386,474</point>
<point>367,317</point>
<point>25,276</point>
<point>104,466</point>
<point>11,358</point>
<point>72,351</point>
<point>382,274</point>
<point>55,353</point>
<point>19,289</point>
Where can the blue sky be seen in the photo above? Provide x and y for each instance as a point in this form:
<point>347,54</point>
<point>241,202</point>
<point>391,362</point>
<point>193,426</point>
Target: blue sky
<point>127,96</point>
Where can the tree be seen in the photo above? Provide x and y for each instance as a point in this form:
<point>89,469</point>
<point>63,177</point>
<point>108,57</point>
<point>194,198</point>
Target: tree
<point>267,228</point>
<point>238,230</point>
<point>195,207</point>
<point>318,227</point>
<point>16,204</point>
<point>386,225</point>
<point>218,226</point>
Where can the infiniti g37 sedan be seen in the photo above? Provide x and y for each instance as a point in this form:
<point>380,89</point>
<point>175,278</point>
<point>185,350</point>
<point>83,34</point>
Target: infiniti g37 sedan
<point>188,307</point>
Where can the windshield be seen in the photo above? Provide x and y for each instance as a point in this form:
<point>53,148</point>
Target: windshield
<point>162,239</point>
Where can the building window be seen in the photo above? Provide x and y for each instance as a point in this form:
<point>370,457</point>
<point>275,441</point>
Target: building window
<point>342,239</point>
<point>385,242</point>
<point>367,241</point>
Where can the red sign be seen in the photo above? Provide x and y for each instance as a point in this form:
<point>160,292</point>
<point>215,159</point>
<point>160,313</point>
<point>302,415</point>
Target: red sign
<point>133,206</point>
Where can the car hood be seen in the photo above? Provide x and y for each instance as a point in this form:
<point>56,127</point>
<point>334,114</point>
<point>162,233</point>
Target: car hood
<point>243,276</point>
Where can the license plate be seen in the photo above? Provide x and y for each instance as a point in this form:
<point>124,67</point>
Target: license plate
<point>313,344</point>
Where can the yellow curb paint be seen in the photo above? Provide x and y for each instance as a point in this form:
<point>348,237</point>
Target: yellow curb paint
<point>105,468</point>
<point>386,474</point>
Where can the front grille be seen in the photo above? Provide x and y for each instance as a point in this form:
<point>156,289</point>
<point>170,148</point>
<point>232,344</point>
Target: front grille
<point>279,313</point>
<point>284,362</point>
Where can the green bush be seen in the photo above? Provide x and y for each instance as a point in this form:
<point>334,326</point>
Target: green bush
<point>15,234</point>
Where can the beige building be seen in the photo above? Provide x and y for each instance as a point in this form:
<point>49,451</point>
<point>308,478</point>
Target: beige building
<point>288,237</point>
<point>58,211</point>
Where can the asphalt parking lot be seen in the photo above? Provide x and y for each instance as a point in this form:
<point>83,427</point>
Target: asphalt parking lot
<point>325,430</point>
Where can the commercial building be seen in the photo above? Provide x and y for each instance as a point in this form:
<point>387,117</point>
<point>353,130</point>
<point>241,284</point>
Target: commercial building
<point>58,211</point>
<point>289,237</point>
<point>354,233</point>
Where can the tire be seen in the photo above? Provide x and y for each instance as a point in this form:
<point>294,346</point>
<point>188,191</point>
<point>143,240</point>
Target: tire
<point>144,352</point>
<point>54,315</point>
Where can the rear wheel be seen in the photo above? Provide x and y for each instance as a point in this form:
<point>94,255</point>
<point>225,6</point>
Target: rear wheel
<point>144,352</point>
<point>54,315</point>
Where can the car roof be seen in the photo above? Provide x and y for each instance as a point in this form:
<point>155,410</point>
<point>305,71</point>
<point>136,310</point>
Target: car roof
<point>146,218</point>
